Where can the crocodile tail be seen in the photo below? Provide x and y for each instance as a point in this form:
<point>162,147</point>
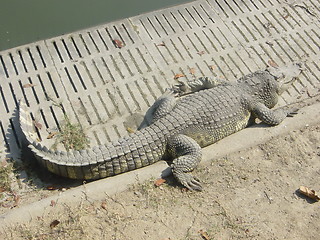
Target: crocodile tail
<point>25,121</point>
<point>129,153</point>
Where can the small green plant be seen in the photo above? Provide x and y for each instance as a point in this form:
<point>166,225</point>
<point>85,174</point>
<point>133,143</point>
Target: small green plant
<point>6,169</point>
<point>73,136</point>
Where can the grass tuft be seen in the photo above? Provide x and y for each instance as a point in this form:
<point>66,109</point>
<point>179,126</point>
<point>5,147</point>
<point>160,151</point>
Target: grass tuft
<point>72,136</point>
<point>6,170</point>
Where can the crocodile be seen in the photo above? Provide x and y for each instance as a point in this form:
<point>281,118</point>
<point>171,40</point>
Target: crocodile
<point>182,122</point>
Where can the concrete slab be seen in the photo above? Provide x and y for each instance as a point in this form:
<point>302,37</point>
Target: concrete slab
<point>107,75</point>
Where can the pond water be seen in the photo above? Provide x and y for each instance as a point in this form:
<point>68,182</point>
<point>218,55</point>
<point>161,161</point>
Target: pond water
<point>25,21</point>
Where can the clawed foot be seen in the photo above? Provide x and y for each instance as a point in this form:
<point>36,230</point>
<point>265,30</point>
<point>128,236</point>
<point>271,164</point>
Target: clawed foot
<point>180,88</point>
<point>187,180</point>
<point>171,92</point>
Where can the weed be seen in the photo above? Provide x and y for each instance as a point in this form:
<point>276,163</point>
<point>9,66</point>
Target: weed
<point>72,136</point>
<point>6,170</point>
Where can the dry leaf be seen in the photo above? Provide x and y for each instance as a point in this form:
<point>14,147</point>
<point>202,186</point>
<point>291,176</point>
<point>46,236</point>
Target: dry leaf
<point>309,193</point>
<point>201,53</point>
<point>104,205</point>
<point>273,63</point>
<point>51,135</point>
<point>37,124</point>
<point>159,182</point>
<point>286,16</point>
<point>130,130</point>
<point>51,187</point>
<point>52,203</point>
<point>54,223</point>
<point>212,67</point>
<point>161,44</point>
<point>192,71</point>
<point>204,235</point>
<point>118,43</point>
<point>184,189</point>
<point>28,85</point>
<point>16,200</point>
<point>179,75</point>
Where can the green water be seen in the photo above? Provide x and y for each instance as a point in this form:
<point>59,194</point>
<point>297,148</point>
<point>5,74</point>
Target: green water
<point>25,21</point>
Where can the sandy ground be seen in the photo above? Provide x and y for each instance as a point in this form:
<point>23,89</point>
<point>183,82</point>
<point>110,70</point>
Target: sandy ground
<point>250,194</point>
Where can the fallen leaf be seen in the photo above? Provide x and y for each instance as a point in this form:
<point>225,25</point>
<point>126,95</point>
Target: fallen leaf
<point>204,235</point>
<point>161,44</point>
<point>130,130</point>
<point>179,75</point>
<point>54,223</point>
<point>104,205</point>
<point>118,43</point>
<point>184,189</point>
<point>16,199</point>
<point>201,53</point>
<point>159,182</point>
<point>192,71</point>
<point>37,124</point>
<point>52,203</point>
<point>28,85</point>
<point>307,9</point>
<point>312,92</point>
<point>309,193</point>
<point>273,63</point>
<point>286,16</point>
<point>51,187</point>
<point>51,135</point>
<point>212,67</point>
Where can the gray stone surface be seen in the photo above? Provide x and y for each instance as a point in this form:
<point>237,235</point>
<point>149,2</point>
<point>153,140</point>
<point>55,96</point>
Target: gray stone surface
<point>108,89</point>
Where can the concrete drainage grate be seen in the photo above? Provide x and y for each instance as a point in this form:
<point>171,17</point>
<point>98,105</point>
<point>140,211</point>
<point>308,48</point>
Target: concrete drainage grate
<point>106,77</point>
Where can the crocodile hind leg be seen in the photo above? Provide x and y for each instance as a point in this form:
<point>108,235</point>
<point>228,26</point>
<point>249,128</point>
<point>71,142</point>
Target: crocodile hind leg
<point>186,154</point>
<point>198,84</point>
<point>163,105</point>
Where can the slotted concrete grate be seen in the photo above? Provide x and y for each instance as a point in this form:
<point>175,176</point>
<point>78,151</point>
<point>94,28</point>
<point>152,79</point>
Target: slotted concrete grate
<point>108,89</point>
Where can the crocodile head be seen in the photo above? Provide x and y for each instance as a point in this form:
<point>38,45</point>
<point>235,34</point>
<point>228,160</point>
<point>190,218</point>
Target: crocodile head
<point>266,86</point>
<point>262,86</point>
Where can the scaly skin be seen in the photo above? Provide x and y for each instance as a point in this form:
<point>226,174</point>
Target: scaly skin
<point>180,127</point>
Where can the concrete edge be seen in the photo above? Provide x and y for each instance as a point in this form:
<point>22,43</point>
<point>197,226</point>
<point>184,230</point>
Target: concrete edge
<point>98,190</point>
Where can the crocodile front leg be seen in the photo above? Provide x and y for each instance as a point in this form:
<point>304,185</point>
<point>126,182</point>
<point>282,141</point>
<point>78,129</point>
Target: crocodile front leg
<point>187,154</point>
<point>269,116</point>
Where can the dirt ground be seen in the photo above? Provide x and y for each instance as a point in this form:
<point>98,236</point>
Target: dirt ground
<point>250,194</point>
